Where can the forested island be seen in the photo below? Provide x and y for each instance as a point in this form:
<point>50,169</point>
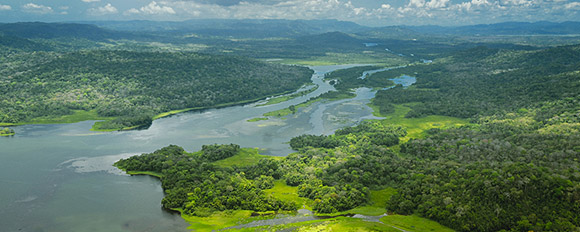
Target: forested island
<point>6,131</point>
<point>513,167</point>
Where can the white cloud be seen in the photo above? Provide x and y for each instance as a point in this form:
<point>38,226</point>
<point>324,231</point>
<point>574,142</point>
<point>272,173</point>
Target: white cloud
<point>517,2</point>
<point>91,0</point>
<point>37,9</point>
<point>104,10</point>
<point>154,9</point>
<point>387,13</point>
<point>5,7</point>
<point>285,9</point>
<point>131,11</point>
<point>480,2</point>
<point>416,3</point>
<point>437,3</point>
<point>573,5</point>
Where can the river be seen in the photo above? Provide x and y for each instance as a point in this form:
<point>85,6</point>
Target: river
<point>60,178</point>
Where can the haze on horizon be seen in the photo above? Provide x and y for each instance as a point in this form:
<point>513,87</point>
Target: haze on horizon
<point>364,12</point>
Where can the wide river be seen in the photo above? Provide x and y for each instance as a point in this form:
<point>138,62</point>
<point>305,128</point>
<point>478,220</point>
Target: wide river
<point>60,177</point>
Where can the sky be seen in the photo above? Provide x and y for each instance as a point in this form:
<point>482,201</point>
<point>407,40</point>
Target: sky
<point>364,12</point>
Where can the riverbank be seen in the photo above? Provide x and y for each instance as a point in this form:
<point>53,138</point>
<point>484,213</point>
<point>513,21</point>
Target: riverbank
<point>82,115</point>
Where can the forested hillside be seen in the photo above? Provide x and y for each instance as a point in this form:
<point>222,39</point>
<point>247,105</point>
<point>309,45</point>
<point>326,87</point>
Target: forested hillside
<point>484,81</point>
<point>135,85</point>
<point>514,168</point>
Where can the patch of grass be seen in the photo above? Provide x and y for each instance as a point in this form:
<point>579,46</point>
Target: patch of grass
<point>217,221</point>
<point>416,127</point>
<point>377,205</point>
<point>352,224</point>
<point>256,119</point>
<point>379,198</point>
<point>413,223</point>
<point>284,192</point>
<point>98,127</point>
<point>246,156</point>
<point>155,174</point>
<point>333,224</point>
<point>77,116</point>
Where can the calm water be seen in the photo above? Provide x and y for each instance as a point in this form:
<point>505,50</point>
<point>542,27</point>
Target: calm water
<point>60,178</point>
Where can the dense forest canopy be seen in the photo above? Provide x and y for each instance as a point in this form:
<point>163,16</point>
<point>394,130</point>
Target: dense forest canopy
<point>137,84</point>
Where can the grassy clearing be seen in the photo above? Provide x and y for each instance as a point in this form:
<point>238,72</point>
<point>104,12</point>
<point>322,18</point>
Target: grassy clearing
<point>413,223</point>
<point>379,198</point>
<point>217,221</point>
<point>247,156</point>
<point>376,207</point>
<point>416,127</point>
<point>284,192</point>
<point>77,116</point>
<point>256,119</point>
<point>345,224</point>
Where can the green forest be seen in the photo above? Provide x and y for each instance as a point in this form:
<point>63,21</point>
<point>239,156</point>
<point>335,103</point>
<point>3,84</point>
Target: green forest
<point>133,87</point>
<point>514,167</point>
<point>487,139</point>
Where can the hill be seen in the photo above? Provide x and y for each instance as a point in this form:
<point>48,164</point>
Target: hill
<point>138,85</point>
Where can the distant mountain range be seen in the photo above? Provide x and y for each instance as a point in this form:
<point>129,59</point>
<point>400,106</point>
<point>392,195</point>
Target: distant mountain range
<point>253,28</point>
<point>507,28</point>
<point>248,28</point>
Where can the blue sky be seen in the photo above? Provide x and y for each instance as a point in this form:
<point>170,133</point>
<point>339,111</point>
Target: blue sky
<point>365,12</point>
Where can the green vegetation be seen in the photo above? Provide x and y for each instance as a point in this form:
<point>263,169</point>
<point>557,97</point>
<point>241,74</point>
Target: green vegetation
<point>244,157</point>
<point>488,139</point>
<point>256,119</point>
<point>6,131</point>
<point>418,127</point>
<point>284,98</point>
<point>134,87</point>
<point>484,81</point>
<point>413,223</point>
<point>284,192</point>
<point>352,78</point>
<point>291,109</point>
<point>376,57</point>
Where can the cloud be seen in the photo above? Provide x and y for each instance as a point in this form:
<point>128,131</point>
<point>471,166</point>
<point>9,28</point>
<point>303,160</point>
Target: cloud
<point>91,0</point>
<point>37,9</point>
<point>385,12</point>
<point>104,10</point>
<point>152,9</point>
<point>573,5</point>
<point>5,7</point>
<point>277,9</point>
<point>437,3</point>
